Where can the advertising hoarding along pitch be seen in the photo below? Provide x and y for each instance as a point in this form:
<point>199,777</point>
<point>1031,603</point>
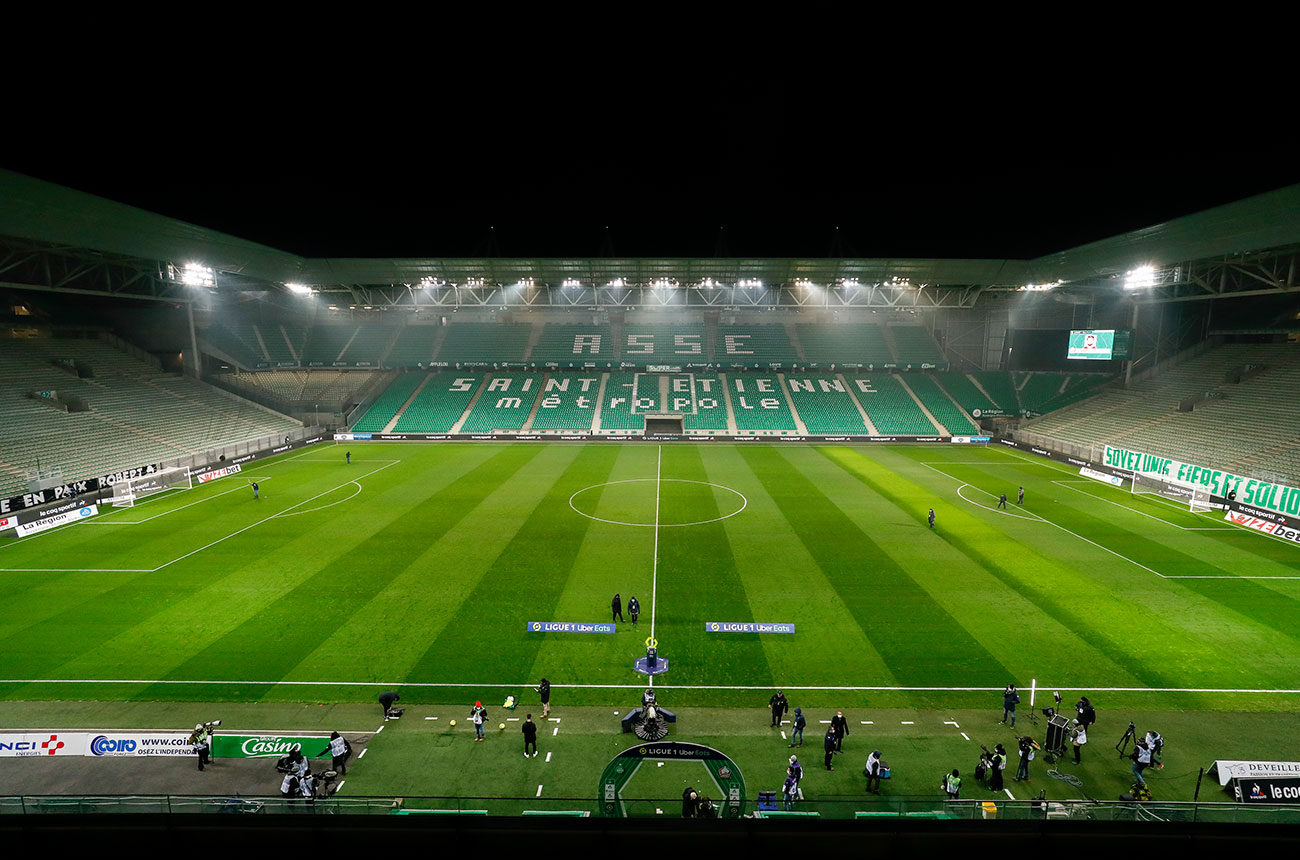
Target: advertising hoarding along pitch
<point>1278,498</point>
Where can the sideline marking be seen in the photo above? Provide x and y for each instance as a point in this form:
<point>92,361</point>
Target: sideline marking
<point>265,519</point>
<point>966,736</point>
<point>1067,485</point>
<point>654,576</point>
<point>548,756</point>
<point>742,688</point>
<point>539,791</point>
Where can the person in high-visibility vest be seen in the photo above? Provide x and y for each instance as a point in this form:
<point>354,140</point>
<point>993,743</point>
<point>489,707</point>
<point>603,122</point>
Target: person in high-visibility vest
<point>952,784</point>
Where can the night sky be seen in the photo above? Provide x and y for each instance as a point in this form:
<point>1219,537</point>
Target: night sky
<point>577,165</point>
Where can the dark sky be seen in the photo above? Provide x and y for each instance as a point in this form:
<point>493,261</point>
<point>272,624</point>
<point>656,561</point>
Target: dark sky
<point>660,165</point>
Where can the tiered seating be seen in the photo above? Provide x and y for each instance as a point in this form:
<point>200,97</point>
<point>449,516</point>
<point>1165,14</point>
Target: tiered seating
<point>137,414</point>
<point>414,346</point>
<point>915,346</point>
<point>754,344</point>
<point>439,404</point>
<point>759,404</point>
<point>325,343</point>
<point>1001,386</point>
<point>573,345</point>
<point>369,344</point>
<point>616,412</point>
<point>387,404</point>
<point>890,407</point>
<point>664,343</point>
<point>277,346</point>
<point>504,403</point>
<point>1038,388</point>
<point>824,404</point>
<point>943,409</point>
<point>568,402</point>
<point>701,398</point>
<point>237,341</point>
<point>485,343</point>
<point>961,389</point>
<point>843,343</point>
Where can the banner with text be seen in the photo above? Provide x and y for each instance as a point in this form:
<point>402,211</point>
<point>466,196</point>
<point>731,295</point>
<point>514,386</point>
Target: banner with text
<point>570,627</point>
<point>1266,526</point>
<point>268,746</point>
<point>1278,498</point>
<point>748,627</point>
<point>25,529</point>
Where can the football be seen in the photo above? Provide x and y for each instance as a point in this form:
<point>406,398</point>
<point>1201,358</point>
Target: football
<point>452,724</point>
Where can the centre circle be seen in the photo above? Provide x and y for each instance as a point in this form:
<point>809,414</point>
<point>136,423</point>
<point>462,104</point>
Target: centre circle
<point>633,502</point>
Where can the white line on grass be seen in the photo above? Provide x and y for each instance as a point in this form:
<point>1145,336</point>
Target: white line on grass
<point>539,791</point>
<point>106,522</point>
<point>1009,794</point>
<point>363,753</point>
<point>548,756</point>
<point>654,587</point>
<point>1067,485</point>
<point>1003,511</point>
<point>1074,685</point>
<point>966,736</point>
<point>192,552</point>
<point>330,505</point>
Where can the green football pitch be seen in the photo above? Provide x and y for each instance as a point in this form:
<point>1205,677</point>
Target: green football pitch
<point>419,567</point>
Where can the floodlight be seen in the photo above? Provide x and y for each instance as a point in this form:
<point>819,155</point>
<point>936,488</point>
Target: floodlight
<point>850,282</point>
<point>571,282</point>
<point>1040,288</point>
<point>198,275</point>
<point>617,282</point>
<point>1140,278</point>
<point>298,288</point>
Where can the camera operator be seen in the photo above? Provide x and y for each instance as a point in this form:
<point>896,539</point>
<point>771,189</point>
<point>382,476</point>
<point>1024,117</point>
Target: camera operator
<point>1156,743</point>
<point>1080,738</point>
<point>1141,757</point>
<point>340,750</point>
<point>1027,747</point>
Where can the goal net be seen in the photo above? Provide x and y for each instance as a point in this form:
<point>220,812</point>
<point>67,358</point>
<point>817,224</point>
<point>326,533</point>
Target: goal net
<point>1196,498</point>
<point>126,493</point>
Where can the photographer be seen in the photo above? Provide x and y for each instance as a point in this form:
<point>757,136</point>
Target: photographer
<point>1141,757</point>
<point>1027,747</point>
<point>997,764</point>
<point>1080,739</point>
<point>201,740</point>
<point>1156,743</point>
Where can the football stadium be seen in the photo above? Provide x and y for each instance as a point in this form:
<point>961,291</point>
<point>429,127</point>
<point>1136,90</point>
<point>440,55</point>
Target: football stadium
<point>834,541</point>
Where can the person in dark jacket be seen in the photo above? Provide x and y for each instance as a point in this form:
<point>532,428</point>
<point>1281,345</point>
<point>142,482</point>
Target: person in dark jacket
<point>386,701</point>
<point>617,605</point>
<point>998,764</point>
<point>796,733</point>
<point>340,751</point>
<point>829,744</point>
<point>778,705</point>
<point>1010,698</point>
<point>544,691</point>
<point>529,728</point>
<point>633,609</point>
<point>840,726</point>
<point>690,802</point>
<point>1026,750</point>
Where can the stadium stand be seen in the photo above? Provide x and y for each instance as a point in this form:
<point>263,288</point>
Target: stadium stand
<point>136,413</point>
<point>759,404</point>
<point>504,403</point>
<point>325,343</point>
<point>573,345</point>
<point>281,344</point>
<point>1237,426</point>
<point>699,396</point>
<point>963,390</point>
<point>749,345</point>
<point>941,407</point>
<point>568,403</point>
<point>386,406</point>
<point>617,410</point>
<point>485,343</point>
<point>439,404</point>
<point>1001,387</point>
<point>913,345</point>
<point>369,345</point>
<point>844,344</point>
<point>890,407</point>
<point>414,346</point>
<point>825,405</point>
<point>681,343</point>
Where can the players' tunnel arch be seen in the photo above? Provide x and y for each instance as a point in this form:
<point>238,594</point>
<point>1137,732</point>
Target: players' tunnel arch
<point>725,774</point>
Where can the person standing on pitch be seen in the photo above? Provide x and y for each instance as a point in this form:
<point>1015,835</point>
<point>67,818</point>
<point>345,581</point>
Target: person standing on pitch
<point>1010,698</point>
<point>828,743</point>
<point>348,455</point>
<point>952,784</point>
<point>872,772</point>
<point>790,790</point>
<point>1080,739</point>
<point>253,484</point>
<point>386,701</point>
<point>840,726</point>
<point>479,716</point>
<point>633,609</point>
<point>617,605</point>
<point>544,691</point>
<point>340,750</point>
<point>1002,501</point>
<point>800,723</point>
<point>778,705</point>
<point>1020,496</point>
<point>529,728</point>
<point>931,517</point>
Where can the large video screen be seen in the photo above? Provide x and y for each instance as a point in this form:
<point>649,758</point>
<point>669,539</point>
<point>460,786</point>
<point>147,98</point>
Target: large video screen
<point>1098,345</point>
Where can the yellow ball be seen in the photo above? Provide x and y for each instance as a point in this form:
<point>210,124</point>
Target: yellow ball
<point>452,724</point>
<point>502,726</point>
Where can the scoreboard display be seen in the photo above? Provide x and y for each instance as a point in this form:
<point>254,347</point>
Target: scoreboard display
<point>1098,344</point>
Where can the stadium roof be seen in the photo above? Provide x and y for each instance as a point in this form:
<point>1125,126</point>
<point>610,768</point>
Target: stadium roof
<point>54,219</point>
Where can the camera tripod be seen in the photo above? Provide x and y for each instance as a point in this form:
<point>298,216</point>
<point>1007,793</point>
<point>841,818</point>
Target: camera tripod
<point>1130,734</point>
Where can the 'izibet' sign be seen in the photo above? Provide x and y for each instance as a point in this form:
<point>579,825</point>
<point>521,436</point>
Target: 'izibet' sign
<point>1278,498</point>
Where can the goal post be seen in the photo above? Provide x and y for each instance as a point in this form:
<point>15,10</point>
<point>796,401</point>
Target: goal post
<point>1196,498</point>
<point>128,492</point>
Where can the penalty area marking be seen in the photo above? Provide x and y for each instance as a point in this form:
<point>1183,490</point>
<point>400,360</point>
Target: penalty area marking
<point>331,504</point>
<point>1032,517</point>
<point>744,503</point>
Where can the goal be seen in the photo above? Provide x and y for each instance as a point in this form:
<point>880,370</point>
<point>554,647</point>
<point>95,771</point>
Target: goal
<point>1196,498</point>
<point>126,493</point>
